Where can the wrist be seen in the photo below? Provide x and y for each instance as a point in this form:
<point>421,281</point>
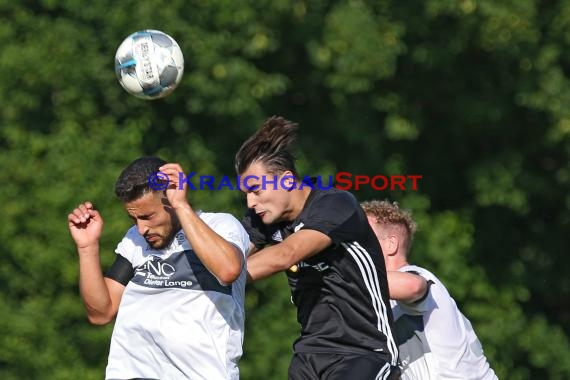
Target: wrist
<point>181,206</point>
<point>88,249</point>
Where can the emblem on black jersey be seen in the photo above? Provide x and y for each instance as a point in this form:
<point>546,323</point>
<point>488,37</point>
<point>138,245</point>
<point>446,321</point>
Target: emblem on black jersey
<point>277,236</point>
<point>320,267</point>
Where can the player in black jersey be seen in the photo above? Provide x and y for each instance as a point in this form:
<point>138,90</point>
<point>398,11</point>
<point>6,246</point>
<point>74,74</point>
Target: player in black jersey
<point>333,261</point>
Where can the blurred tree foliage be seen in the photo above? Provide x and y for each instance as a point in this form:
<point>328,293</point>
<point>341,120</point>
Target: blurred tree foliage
<point>471,94</point>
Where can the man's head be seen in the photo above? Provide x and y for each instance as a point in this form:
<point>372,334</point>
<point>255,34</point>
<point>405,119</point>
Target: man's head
<point>266,165</point>
<point>393,227</point>
<point>149,209</point>
<point>270,146</point>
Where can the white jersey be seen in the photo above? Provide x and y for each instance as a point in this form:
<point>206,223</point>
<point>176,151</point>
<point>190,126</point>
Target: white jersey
<point>176,320</point>
<point>435,339</point>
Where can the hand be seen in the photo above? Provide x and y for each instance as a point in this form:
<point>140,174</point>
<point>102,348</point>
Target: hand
<point>175,192</point>
<point>85,225</point>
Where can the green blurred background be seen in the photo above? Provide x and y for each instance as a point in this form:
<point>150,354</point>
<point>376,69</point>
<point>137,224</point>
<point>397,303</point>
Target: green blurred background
<point>473,95</point>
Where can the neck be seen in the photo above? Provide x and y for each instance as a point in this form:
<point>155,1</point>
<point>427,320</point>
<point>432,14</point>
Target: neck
<point>298,200</point>
<point>395,262</point>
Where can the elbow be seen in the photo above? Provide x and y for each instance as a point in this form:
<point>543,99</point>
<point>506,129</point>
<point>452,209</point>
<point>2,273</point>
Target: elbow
<point>418,289</point>
<point>406,287</point>
<point>99,320</point>
<point>229,274</point>
<point>228,277</point>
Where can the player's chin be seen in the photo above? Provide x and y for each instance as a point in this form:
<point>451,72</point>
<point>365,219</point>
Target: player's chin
<point>272,218</point>
<point>266,217</point>
<point>156,243</point>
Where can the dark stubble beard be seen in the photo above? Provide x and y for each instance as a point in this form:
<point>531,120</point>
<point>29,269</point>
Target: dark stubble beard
<point>175,227</point>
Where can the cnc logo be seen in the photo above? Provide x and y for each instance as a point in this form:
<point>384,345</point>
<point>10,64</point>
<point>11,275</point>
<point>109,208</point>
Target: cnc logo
<point>156,268</point>
<point>158,273</point>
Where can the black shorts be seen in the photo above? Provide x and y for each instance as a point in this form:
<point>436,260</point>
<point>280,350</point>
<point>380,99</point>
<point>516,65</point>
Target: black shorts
<point>306,366</point>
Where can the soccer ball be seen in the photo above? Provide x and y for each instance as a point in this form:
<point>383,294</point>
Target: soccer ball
<point>149,64</point>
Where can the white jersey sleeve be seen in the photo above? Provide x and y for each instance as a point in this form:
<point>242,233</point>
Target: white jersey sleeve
<point>228,227</point>
<point>127,247</point>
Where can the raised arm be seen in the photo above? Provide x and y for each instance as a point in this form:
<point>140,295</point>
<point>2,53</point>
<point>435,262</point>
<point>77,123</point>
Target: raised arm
<point>223,259</point>
<point>101,296</point>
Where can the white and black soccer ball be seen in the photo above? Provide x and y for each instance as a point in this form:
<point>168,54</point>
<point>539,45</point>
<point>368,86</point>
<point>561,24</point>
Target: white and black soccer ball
<point>149,64</point>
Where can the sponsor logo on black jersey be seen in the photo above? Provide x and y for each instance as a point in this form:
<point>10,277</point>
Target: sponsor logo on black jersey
<point>320,267</point>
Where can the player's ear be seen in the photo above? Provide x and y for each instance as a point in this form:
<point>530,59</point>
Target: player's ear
<point>393,244</point>
<point>164,199</point>
<point>287,180</point>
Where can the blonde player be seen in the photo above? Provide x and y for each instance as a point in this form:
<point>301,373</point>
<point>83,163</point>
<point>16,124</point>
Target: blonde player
<point>436,341</point>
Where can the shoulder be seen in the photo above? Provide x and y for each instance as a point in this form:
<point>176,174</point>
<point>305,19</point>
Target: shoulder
<point>335,213</point>
<point>333,193</point>
<point>419,271</point>
<point>131,243</point>
<point>436,288</point>
<point>222,221</point>
<point>133,238</point>
<point>227,226</point>
<point>332,198</point>
<point>218,217</point>
<point>414,269</point>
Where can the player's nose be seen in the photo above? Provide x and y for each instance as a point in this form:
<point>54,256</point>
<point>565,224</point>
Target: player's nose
<point>142,228</point>
<point>251,201</point>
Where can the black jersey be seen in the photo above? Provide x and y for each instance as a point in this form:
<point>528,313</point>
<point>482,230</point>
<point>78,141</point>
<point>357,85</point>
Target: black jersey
<point>341,293</point>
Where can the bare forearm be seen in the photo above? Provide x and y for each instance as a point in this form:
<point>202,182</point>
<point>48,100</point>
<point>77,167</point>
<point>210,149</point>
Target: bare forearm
<point>217,254</point>
<point>92,286</point>
<point>280,257</point>
<point>266,262</point>
<point>406,287</point>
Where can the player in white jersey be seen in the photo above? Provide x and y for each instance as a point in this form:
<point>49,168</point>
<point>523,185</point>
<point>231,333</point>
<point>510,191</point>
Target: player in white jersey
<point>177,284</point>
<point>436,341</point>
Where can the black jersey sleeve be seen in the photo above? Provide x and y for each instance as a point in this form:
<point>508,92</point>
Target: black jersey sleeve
<point>338,215</point>
<point>255,228</point>
<point>121,271</point>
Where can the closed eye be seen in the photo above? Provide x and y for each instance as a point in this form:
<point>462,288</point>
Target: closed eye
<point>142,217</point>
<point>146,217</point>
